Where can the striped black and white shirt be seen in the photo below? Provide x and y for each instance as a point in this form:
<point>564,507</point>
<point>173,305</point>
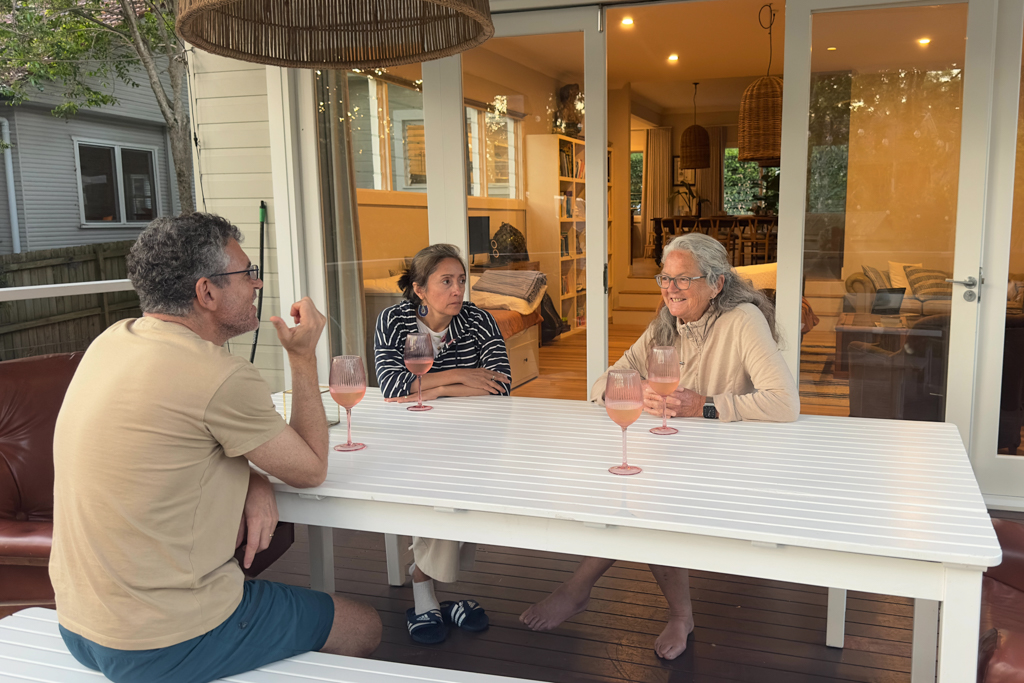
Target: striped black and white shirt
<point>473,341</point>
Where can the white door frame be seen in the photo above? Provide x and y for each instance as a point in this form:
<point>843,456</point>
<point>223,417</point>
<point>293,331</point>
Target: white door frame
<point>590,21</point>
<point>973,196</point>
<point>1001,477</point>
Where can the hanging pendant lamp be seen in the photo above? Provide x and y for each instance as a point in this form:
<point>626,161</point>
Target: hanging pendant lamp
<point>760,125</point>
<point>695,145</point>
<point>334,34</point>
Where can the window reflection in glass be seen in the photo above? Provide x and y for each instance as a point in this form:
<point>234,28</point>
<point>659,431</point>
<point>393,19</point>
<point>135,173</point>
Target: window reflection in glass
<point>364,115</point>
<point>408,140</point>
<point>139,192</point>
<point>99,183</point>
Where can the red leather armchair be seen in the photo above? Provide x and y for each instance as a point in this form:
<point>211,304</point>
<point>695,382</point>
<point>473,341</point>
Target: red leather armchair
<point>31,392</point>
<point>1001,651</point>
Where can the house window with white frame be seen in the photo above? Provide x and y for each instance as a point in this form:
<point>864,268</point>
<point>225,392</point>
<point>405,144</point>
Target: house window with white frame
<point>117,183</point>
<point>389,141</point>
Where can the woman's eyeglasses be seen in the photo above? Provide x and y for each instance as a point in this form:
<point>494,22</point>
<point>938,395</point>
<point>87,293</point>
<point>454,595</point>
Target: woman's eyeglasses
<point>682,282</point>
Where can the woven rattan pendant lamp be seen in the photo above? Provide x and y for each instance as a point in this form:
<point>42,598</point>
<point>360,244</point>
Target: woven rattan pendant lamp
<point>760,127</point>
<point>334,34</point>
<point>695,145</point>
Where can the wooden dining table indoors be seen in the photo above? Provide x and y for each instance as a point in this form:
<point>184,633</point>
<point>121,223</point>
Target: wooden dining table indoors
<point>882,506</point>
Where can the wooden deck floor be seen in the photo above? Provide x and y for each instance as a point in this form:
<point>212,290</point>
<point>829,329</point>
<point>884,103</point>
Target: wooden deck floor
<point>747,629</point>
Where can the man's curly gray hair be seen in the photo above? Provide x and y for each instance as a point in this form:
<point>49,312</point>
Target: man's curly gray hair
<point>172,254</point>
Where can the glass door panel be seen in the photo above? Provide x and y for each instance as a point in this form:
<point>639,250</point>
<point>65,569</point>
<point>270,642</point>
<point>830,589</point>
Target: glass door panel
<point>370,128</point>
<point>527,197</point>
<point>883,164</point>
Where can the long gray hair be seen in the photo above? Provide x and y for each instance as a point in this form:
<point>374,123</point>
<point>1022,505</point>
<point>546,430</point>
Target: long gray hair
<point>713,261</point>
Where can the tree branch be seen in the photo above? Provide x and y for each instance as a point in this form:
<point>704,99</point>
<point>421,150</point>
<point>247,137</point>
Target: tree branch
<point>143,49</point>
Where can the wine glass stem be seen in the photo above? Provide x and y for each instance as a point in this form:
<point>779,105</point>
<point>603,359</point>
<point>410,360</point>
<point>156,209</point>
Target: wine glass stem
<point>664,412</point>
<point>420,404</point>
<point>624,463</point>
<point>348,417</point>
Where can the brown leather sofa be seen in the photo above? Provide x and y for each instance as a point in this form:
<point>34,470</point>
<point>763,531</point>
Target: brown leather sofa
<point>1001,651</point>
<point>31,393</point>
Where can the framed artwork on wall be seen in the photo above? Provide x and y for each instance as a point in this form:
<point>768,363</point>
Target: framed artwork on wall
<point>681,175</point>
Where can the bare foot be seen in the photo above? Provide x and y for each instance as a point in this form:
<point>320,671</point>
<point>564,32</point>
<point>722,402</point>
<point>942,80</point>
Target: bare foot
<point>567,601</point>
<point>672,641</point>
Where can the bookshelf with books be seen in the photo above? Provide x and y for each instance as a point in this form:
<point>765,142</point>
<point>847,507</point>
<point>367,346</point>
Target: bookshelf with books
<point>556,198</point>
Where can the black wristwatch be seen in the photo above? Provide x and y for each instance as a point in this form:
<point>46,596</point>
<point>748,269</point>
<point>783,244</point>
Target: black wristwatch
<point>710,412</point>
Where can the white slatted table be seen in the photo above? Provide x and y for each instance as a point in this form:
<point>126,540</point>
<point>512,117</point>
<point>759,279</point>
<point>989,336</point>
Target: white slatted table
<point>881,506</point>
<point>31,649</point>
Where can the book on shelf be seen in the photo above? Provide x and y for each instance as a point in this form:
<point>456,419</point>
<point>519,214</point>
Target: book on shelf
<point>565,244</point>
<point>565,284</point>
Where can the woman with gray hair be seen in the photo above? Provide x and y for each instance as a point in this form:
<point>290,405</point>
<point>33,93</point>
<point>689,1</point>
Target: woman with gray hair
<point>731,369</point>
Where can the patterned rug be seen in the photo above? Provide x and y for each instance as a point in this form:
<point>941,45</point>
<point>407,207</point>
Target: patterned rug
<point>817,385</point>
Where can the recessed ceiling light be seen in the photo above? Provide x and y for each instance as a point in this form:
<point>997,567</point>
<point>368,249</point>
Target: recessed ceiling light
<point>924,41</point>
<point>831,49</point>
<point>627,21</point>
<point>673,58</point>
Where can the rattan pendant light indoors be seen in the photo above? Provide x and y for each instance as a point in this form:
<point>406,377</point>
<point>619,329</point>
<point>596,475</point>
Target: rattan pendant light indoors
<point>335,34</point>
<point>760,125</point>
<point>695,145</point>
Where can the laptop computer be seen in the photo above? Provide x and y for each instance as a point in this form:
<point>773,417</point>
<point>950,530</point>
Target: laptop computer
<point>888,301</point>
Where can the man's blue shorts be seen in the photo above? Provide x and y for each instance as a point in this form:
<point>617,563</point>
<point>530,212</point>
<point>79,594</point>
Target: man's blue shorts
<point>274,621</point>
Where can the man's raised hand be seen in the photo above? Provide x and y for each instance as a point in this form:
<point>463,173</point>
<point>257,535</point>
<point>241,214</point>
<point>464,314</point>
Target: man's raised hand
<point>309,324</point>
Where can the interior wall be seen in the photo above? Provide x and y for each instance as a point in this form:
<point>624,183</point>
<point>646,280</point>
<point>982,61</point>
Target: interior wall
<point>394,224</point>
<point>903,172</point>
<point>1017,235</point>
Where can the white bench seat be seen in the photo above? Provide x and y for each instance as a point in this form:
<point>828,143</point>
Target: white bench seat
<point>31,649</point>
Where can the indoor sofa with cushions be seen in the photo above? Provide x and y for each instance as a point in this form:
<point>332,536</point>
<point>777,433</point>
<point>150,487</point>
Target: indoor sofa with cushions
<point>31,393</point>
<point>927,292</point>
<point>1001,650</point>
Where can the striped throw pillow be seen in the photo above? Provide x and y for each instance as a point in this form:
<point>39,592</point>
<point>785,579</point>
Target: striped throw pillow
<point>929,284</point>
<point>879,280</point>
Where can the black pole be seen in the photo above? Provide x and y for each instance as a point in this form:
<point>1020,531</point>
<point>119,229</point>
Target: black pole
<point>259,298</point>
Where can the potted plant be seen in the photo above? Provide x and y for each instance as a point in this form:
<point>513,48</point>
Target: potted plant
<point>688,192</point>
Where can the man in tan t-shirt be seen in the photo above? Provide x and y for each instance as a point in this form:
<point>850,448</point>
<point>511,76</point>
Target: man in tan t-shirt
<point>153,488</point>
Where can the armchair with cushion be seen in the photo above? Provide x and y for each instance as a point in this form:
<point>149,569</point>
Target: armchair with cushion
<point>31,393</point>
<point>1001,650</point>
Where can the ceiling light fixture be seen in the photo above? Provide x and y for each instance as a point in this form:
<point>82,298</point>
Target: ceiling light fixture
<point>335,35</point>
<point>695,144</point>
<point>673,58</point>
<point>627,21</point>
<point>831,49</point>
<point>760,124</point>
<point>924,41</point>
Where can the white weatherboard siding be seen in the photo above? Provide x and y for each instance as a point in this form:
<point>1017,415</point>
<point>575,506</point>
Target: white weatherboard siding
<point>232,175</point>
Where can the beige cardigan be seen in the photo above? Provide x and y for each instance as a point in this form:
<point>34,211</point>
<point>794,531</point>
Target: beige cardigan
<point>733,359</point>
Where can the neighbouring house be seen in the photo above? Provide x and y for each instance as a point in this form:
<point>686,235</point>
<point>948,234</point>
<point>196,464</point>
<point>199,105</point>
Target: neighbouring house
<point>99,176</point>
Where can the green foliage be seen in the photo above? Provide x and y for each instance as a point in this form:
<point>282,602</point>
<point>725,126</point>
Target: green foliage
<point>742,183</point>
<point>80,46</point>
<point>688,192</point>
<point>636,178</point>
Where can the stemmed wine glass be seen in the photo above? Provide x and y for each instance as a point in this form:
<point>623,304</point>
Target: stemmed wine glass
<point>348,386</point>
<point>663,378</point>
<point>624,401</point>
<point>419,358</point>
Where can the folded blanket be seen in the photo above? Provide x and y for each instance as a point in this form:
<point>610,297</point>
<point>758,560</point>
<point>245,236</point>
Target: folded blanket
<point>522,284</point>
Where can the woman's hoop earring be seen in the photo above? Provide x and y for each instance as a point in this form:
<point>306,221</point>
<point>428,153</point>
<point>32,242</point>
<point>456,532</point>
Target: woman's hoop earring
<point>422,310</point>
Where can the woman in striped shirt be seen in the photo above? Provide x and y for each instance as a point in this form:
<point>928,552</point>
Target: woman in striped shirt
<point>470,359</point>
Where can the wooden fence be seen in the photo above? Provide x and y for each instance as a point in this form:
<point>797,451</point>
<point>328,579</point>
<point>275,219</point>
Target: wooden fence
<point>67,323</point>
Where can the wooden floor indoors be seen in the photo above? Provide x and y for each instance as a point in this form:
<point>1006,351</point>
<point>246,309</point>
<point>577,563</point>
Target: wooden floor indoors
<point>746,629</point>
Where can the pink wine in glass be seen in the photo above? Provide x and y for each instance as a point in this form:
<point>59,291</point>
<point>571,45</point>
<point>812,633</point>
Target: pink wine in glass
<point>419,367</point>
<point>419,358</point>
<point>623,414</point>
<point>347,397</point>
<point>348,386</point>
<point>663,379</point>
<point>624,401</point>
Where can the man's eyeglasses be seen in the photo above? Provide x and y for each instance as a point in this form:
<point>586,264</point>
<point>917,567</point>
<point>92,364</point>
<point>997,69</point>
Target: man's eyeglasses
<point>682,282</point>
<point>254,272</point>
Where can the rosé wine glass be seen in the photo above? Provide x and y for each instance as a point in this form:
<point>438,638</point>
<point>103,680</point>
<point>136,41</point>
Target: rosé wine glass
<point>348,386</point>
<point>624,401</point>
<point>419,358</point>
<point>663,379</point>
